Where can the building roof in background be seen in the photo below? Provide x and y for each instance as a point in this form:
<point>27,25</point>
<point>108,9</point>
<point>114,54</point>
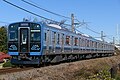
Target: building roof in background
<point>1,53</point>
<point>3,56</point>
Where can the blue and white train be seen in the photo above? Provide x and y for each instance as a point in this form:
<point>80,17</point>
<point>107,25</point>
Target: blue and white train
<point>31,43</point>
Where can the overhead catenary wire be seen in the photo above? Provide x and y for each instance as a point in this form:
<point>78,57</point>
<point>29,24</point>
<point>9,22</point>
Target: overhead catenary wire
<point>34,13</point>
<point>31,12</point>
<point>34,4</point>
<point>87,27</point>
<point>47,11</point>
<point>42,16</point>
<point>26,10</point>
<point>92,30</point>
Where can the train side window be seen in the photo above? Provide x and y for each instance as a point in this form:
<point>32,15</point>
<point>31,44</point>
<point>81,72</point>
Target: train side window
<point>13,32</point>
<point>62,39</point>
<point>58,38</point>
<point>79,41</point>
<point>87,43</point>
<point>67,40</point>
<point>92,44</point>
<point>76,42</point>
<point>72,38</point>
<point>84,42</point>
<point>54,37</point>
<point>35,36</point>
<point>13,35</point>
<point>95,44</point>
<point>45,36</point>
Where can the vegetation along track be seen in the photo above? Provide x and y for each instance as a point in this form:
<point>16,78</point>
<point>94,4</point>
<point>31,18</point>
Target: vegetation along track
<point>11,70</point>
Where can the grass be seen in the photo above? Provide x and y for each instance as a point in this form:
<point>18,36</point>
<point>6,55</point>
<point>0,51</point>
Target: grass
<point>117,77</point>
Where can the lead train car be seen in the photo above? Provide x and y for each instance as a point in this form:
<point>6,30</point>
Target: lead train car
<point>32,43</point>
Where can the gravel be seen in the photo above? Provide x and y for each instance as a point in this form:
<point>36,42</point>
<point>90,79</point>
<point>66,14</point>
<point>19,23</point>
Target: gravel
<point>64,71</point>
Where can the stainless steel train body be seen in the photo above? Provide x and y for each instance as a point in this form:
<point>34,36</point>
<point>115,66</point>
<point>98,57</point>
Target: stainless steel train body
<point>37,43</point>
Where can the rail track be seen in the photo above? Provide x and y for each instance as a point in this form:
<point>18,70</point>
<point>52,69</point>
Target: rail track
<point>11,70</point>
<point>23,68</point>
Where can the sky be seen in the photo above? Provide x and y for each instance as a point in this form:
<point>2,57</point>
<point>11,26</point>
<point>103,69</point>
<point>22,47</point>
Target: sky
<point>100,15</point>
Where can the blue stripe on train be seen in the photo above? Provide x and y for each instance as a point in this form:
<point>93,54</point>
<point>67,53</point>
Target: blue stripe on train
<point>31,53</point>
<point>35,53</point>
<point>13,53</point>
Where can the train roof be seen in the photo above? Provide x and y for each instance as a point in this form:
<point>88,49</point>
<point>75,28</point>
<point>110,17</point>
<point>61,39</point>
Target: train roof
<point>54,25</point>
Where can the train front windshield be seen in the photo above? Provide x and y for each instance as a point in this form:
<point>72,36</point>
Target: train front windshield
<point>24,37</point>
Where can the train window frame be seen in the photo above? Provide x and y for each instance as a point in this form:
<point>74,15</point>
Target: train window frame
<point>83,42</point>
<point>13,28</point>
<point>67,41</point>
<point>75,41</point>
<point>38,39</point>
<point>72,40</point>
<point>15,36</point>
<point>45,36</point>
<point>88,43</point>
<point>79,41</point>
<point>53,37</point>
<point>34,31</point>
<point>58,38</point>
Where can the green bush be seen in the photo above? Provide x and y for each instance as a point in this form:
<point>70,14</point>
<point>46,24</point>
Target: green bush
<point>3,39</point>
<point>102,75</point>
<point>7,64</point>
<point>117,77</point>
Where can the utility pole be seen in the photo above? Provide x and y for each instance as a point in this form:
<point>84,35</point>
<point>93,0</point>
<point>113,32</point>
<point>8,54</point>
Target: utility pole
<point>72,23</point>
<point>113,40</point>
<point>118,38</point>
<point>102,36</point>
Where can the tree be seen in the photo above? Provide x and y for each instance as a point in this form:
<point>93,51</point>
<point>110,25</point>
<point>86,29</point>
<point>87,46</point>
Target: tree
<point>3,39</point>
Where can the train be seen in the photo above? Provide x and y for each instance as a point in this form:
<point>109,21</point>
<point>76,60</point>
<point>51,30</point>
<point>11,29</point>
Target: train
<point>36,43</point>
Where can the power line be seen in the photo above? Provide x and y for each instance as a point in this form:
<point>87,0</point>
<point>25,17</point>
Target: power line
<point>26,10</point>
<point>32,12</point>
<point>109,38</point>
<point>79,31</point>
<point>42,9</point>
<point>35,5</point>
<point>92,30</point>
<point>85,23</point>
<point>42,16</point>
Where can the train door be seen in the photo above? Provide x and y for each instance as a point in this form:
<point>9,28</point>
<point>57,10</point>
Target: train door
<point>72,43</point>
<point>62,42</point>
<point>47,40</point>
<point>24,39</point>
<point>54,41</point>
